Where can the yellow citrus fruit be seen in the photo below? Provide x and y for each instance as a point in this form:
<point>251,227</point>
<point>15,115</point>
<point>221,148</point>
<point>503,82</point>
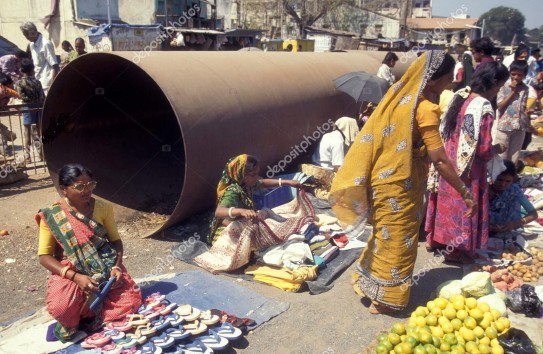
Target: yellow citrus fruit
<point>436,311</point>
<point>430,305</point>
<point>471,347</point>
<point>494,342</point>
<point>430,349</point>
<point>431,320</point>
<point>505,321</point>
<point>445,347</point>
<point>398,328</point>
<point>477,314</point>
<point>484,348</point>
<point>394,339</point>
<point>456,323</point>
<point>406,348</point>
<point>456,297</point>
<point>491,333</point>
<point>442,302</point>
<point>412,322</point>
<point>483,306</point>
<point>497,349</point>
<point>447,327</point>
<point>442,320</point>
<point>470,323</point>
<point>495,314</point>
<point>468,335</point>
<point>479,332</point>
<point>449,311</point>
<point>421,311</point>
<point>381,349</point>
<point>419,349</point>
<point>458,304</point>
<point>411,339</point>
<point>420,321</point>
<point>484,340</point>
<point>462,314</point>
<point>437,332</point>
<point>471,303</point>
<point>485,323</point>
<point>425,338</point>
<point>450,339</point>
<point>500,326</point>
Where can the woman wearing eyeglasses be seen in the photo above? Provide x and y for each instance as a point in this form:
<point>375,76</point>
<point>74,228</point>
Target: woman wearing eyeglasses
<point>81,247</point>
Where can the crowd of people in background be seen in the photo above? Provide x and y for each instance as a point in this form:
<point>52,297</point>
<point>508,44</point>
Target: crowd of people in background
<point>25,78</point>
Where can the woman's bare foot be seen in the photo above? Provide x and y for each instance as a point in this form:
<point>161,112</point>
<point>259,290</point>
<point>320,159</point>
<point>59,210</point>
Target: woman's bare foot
<point>380,309</point>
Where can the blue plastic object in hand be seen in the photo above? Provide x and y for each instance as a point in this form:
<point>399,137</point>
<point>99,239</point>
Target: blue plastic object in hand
<point>104,289</point>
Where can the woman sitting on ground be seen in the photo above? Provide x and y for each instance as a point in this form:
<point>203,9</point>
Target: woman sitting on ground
<point>506,200</point>
<point>240,178</point>
<point>80,245</point>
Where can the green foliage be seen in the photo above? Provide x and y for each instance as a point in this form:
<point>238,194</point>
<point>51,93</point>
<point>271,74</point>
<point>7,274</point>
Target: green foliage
<point>502,23</point>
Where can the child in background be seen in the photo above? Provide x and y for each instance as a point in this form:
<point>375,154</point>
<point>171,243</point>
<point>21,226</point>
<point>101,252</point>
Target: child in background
<point>6,89</point>
<point>31,93</point>
<point>366,109</point>
<point>513,122</point>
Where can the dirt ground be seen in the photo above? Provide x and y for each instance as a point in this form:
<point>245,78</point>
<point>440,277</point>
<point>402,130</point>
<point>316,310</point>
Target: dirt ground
<point>332,322</point>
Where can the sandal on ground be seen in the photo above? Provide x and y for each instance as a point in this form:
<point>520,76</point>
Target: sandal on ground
<point>195,327</point>
<point>194,347</point>
<point>96,340</point>
<point>207,318</point>
<point>163,341</point>
<point>177,334</point>
<point>227,331</point>
<point>214,341</point>
<point>188,312</point>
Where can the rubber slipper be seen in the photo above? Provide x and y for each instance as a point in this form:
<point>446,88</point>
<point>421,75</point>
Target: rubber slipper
<point>163,341</point>
<point>114,334</point>
<point>188,312</point>
<point>177,334</point>
<point>167,306</point>
<point>195,346</point>
<point>121,326</point>
<point>175,319</point>
<point>136,319</point>
<point>96,340</point>
<point>149,348</point>
<point>111,348</point>
<point>227,331</point>
<point>195,327</point>
<point>140,338</point>
<point>145,330</point>
<point>207,318</point>
<point>154,299</point>
<point>127,342</point>
<point>214,341</point>
<point>160,323</point>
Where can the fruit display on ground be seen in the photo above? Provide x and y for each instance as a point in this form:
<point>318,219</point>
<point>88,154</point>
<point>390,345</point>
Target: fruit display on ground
<point>458,325</point>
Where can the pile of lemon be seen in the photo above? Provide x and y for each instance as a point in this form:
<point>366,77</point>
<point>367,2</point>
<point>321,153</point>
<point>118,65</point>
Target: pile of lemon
<point>458,325</point>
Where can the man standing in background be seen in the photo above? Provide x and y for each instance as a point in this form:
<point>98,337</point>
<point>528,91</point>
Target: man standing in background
<point>46,66</point>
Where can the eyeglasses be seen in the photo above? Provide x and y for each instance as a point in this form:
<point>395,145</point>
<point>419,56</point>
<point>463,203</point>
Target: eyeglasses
<point>80,187</point>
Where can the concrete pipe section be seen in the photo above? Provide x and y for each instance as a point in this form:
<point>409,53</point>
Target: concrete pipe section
<point>158,130</point>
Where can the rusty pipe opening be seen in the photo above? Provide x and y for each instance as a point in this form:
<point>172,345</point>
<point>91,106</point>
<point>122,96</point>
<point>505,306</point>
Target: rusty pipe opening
<point>158,131</point>
<point>108,114</point>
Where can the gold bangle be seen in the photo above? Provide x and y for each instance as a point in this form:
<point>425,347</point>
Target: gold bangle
<point>63,271</point>
<point>73,276</point>
<point>117,267</point>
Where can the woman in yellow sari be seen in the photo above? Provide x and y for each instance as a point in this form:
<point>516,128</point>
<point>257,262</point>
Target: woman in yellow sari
<point>384,177</point>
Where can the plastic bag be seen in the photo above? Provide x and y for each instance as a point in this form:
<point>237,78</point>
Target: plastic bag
<point>531,305</point>
<point>515,341</point>
<point>525,300</point>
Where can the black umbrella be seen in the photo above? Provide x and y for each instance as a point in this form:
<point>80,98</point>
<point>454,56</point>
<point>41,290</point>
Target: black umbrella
<point>361,86</point>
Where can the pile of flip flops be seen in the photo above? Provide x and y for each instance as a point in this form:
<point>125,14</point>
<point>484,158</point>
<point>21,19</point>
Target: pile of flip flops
<point>161,326</point>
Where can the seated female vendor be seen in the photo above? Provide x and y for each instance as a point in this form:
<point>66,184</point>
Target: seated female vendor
<point>240,178</point>
<point>506,201</point>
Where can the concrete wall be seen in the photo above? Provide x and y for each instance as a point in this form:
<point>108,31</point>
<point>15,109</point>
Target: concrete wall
<point>62,26</point>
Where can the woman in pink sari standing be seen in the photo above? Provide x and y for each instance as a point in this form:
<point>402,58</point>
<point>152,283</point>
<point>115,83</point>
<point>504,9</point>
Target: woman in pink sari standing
<point>466,133</point>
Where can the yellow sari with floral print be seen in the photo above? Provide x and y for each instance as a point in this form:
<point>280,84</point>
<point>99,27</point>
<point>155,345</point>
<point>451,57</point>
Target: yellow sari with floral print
<point>382,182</point>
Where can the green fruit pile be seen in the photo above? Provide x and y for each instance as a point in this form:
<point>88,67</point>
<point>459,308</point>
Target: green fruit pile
<point>456,326</point>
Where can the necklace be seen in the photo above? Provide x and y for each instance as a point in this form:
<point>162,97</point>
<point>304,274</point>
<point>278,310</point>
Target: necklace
<point>88,207</point>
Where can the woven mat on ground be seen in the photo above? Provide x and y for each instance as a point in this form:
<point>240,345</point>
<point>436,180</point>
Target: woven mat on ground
<point>197,288</point>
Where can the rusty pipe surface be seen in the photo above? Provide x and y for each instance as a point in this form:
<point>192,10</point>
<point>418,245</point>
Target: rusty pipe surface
<point>158,131</point>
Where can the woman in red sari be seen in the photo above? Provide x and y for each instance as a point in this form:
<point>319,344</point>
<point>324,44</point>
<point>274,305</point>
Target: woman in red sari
<point>466,133</point>
<point>80,245</point>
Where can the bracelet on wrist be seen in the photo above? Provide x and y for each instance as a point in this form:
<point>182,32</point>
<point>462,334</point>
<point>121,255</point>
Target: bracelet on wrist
<point>230,212</point>
<point>63,271</point>
<point>280,183</point>
<point>118,268</point>
<point>73,276</point>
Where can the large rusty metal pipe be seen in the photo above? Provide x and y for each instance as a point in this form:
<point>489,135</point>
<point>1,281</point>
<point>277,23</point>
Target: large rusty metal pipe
<point>158,131</point>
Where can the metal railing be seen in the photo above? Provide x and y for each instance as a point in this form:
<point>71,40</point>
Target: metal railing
<point>21,148</point>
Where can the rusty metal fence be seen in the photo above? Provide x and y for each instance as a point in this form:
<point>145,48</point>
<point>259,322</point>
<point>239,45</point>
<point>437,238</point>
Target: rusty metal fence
<point>21,151</point>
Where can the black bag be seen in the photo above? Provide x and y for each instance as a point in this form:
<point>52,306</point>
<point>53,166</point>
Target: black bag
<point>515,341</point>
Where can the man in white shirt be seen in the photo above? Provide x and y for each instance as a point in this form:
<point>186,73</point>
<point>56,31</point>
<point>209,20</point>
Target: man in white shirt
<point>43,55</point>
<point>333,146</point>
